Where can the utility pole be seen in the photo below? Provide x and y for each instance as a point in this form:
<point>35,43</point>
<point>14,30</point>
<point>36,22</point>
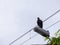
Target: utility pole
<point>41,31</point>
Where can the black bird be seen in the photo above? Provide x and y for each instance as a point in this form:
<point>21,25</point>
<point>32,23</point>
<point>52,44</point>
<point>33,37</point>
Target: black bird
<point>39,22</point>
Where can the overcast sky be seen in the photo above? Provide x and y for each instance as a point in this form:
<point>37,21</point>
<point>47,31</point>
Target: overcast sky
<point>19,16</point>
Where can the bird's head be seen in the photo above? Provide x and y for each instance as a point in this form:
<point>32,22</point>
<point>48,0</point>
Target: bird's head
<point>38,18</point>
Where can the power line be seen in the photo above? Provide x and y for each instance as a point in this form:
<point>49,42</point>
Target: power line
<point>36,34</point>
<point>32,28</point>
<point>52,15</point>
<point>53,24</point>
<point>27,39</point>
<point>20,37</point>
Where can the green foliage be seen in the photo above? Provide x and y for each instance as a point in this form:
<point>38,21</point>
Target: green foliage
<point>57,34</point>
<point>54,40</point>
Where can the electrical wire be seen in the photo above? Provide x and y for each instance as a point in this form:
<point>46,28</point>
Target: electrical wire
<point>52,15</point>
<point>32,28</point>
<point>36,34</point>
<point>20,37</point>
<point>53,24</point>
<point>28,39</point>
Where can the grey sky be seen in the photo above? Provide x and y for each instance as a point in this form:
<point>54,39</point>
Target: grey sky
<point>19,16</point>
